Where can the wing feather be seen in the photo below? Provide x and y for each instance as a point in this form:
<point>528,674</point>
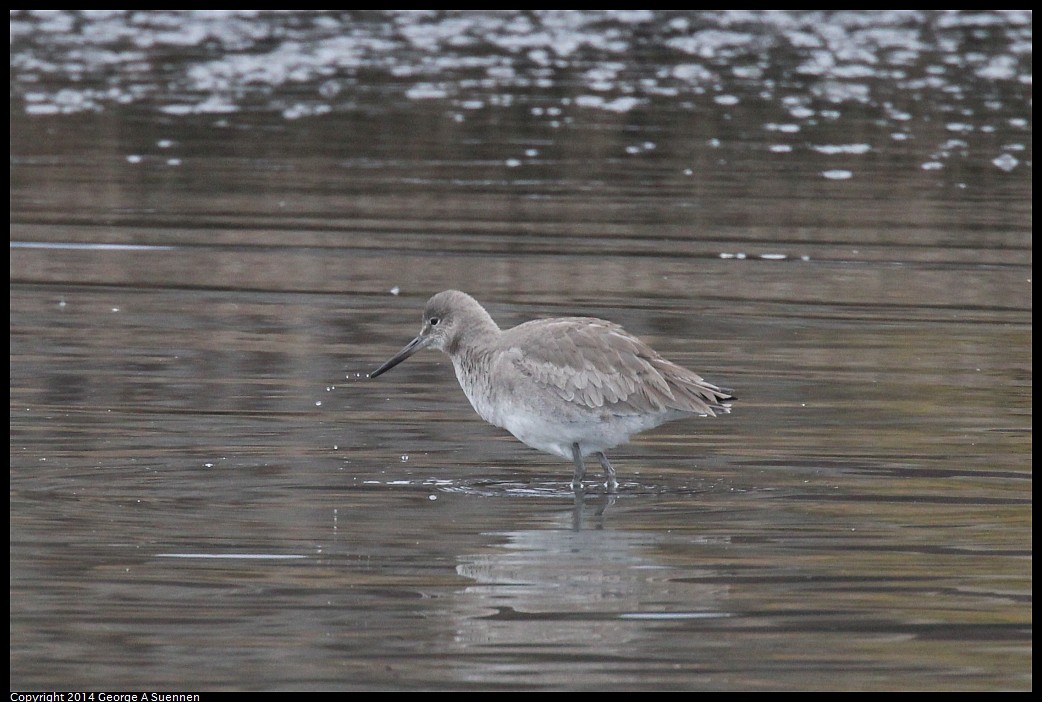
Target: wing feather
<point>597,364</point>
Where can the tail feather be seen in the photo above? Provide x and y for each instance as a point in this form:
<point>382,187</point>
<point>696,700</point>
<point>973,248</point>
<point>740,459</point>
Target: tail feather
<point>694,394</point>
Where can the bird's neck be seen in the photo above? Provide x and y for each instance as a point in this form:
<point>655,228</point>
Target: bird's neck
<point>477,337</point>
<point>473,366</point>
<point>473,354</point>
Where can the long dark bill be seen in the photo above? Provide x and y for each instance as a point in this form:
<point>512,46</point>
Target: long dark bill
<point>410,348</point>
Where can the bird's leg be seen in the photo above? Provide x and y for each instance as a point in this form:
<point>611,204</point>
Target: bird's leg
<point>580,468</point>
<point>609,472</point>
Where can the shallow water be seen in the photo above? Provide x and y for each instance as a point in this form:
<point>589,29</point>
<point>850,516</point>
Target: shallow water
<point>221,222</point>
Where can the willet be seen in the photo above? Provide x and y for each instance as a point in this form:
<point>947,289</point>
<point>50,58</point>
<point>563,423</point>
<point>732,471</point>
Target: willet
<point>569,386</point>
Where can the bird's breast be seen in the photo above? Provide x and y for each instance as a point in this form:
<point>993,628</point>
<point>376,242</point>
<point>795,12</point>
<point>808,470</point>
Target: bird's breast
<point>473,374</point>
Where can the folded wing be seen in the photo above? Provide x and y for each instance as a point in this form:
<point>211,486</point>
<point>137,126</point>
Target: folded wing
<point>597,364</point>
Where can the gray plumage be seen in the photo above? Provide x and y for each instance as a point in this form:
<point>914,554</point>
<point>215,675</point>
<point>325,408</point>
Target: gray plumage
<point>570,386</point>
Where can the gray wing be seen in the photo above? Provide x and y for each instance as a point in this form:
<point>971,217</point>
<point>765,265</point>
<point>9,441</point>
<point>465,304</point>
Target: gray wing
<point>597,364</point>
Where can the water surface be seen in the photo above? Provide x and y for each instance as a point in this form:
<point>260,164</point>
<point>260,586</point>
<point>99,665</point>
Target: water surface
<point>221,221</point>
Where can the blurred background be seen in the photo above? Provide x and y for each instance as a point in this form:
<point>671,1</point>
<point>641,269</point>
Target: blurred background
<point>222,220</point>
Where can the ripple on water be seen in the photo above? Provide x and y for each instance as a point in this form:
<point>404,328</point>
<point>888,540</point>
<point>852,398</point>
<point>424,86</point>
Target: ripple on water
<point>484,487</point>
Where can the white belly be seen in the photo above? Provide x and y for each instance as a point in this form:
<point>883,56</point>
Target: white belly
<point>547,423</point>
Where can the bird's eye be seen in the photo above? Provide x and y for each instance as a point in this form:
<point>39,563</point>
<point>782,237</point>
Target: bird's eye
<point>434,321</point>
